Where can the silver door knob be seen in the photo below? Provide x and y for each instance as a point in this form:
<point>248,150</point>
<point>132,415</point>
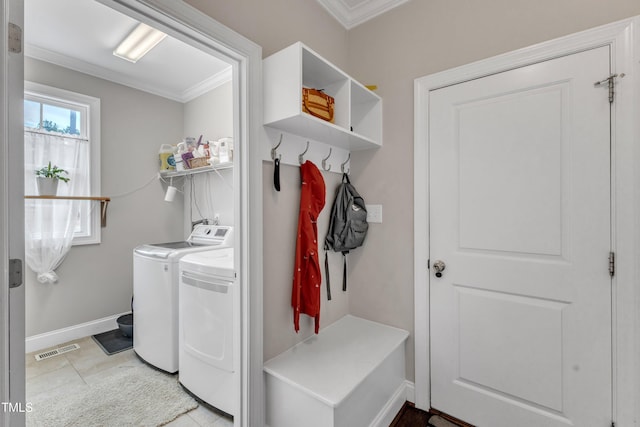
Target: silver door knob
<point>439,267</point>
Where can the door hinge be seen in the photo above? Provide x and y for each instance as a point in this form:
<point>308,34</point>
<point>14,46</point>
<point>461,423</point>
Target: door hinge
<point>610,82</point>
<point>15,38</point>
<point>613,424</point>
<point>428,264</point>
<point>15,273</point>
<point>612,264</point>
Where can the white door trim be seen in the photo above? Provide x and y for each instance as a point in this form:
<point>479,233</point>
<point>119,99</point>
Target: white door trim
<point>12,228</point>
<point>624,39</point>
<point>4,222</point>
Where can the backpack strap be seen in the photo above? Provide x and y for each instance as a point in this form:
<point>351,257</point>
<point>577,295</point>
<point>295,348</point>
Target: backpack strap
<point>344,270</point>
<point>326,274</point>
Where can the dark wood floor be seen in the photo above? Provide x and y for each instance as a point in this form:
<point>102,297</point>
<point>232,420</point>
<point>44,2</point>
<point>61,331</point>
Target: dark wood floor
<point>410,416</point>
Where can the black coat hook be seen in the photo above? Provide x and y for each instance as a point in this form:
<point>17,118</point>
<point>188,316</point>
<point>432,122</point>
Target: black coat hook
<point>276,165</point>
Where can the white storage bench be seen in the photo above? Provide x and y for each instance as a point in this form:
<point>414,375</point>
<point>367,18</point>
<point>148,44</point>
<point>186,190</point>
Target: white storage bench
<point>342,377</point>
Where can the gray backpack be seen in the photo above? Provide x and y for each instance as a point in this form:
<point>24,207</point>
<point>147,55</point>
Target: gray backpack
<point>347,228</point>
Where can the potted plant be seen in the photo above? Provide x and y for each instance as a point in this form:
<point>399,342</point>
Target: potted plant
<point>47,179</point>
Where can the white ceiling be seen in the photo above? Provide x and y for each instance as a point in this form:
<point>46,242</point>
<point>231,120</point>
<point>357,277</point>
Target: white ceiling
<point>351,13</point>
<point>82,34</point>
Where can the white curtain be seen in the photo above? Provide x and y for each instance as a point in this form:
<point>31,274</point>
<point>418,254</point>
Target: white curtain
<point>50,224</point>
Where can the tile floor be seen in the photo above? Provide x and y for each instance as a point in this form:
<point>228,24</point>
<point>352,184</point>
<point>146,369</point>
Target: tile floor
<point>74,371</point>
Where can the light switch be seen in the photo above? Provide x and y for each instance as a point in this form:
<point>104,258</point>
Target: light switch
<point>374,213</point>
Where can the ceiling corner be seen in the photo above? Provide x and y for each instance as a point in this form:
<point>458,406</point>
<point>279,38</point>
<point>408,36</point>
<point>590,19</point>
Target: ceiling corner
<point>351,13</point>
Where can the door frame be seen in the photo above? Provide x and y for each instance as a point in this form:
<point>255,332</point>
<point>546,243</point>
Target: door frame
<point>624,39</point>
<point>4,228</point>
<point>12,361</point>
<point>190,25</point>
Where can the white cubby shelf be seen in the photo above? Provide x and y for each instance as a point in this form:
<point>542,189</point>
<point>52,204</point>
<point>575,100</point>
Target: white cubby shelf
<point>358,111</point>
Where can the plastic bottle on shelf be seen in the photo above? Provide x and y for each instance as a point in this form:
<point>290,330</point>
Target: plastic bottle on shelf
<point>179,151</point>
<point>167,162</point>
<point>223,151</point>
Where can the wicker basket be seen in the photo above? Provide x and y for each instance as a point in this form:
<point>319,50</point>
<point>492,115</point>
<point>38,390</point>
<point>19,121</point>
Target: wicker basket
<point>318,104</point>
<point>198,162</point>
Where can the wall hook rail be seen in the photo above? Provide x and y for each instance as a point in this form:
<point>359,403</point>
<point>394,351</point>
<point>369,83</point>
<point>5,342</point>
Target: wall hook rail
<point>301,155</point>
<point>324,161</point>
<point>344,164</point>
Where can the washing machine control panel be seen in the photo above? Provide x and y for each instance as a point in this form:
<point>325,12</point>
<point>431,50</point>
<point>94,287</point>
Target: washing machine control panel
<point>212,235</point>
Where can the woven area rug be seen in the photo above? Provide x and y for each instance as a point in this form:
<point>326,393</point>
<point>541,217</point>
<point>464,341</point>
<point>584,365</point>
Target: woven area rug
<point>136,396</point>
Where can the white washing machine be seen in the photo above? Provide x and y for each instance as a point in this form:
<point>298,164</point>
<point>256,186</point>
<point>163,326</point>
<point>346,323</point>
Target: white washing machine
<point>155,293</point>
<point>209,323</point>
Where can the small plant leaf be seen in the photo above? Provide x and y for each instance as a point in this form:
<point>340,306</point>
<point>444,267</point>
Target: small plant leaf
<point>52,172</point>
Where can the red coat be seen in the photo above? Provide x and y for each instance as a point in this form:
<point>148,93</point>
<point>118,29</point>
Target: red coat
<point>305,296</point>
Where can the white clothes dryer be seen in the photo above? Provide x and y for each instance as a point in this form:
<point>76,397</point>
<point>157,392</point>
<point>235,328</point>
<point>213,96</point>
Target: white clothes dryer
<point>155,293</point>
<point>209,323</point>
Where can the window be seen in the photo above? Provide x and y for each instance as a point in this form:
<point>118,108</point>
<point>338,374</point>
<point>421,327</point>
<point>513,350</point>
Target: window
<point>64,127</point>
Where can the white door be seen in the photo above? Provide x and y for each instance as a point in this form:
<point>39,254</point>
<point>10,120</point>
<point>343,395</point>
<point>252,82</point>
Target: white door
<point>520,215</point>
<point>12,227</point>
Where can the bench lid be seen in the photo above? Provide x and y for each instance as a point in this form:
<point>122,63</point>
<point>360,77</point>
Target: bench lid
<point>333,363</point>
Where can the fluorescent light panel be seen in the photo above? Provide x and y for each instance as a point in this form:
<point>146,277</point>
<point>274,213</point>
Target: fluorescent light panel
<point>137,44</point>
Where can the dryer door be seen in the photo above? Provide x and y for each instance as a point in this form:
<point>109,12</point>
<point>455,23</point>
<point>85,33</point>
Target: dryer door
<point>206,314</point>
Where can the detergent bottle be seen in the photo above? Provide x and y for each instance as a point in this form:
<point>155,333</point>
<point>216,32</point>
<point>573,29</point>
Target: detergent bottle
<point>167,162</point>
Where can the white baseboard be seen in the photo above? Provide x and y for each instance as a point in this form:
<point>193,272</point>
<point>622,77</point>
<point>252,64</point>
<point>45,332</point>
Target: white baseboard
<point>411,391</point>
<point>406,391</point>
<point>60,336</point>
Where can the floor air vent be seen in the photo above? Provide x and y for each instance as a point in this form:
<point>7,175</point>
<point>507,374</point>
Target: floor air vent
<point>57,351</point>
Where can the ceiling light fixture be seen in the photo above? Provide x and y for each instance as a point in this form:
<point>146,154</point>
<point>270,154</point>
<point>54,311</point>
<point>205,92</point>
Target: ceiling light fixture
<point>137,44</point>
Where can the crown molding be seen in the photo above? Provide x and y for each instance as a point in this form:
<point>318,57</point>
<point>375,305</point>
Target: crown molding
<point>79,65</point>
<point>208,84</point>
<point>352,16</point>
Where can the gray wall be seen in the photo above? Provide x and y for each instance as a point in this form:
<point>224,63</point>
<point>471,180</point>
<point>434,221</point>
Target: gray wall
<point>210,115</point>
<point>276,24</point>
<point>280,227</point>
<point>416,39</point>
<point>96,280</point>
